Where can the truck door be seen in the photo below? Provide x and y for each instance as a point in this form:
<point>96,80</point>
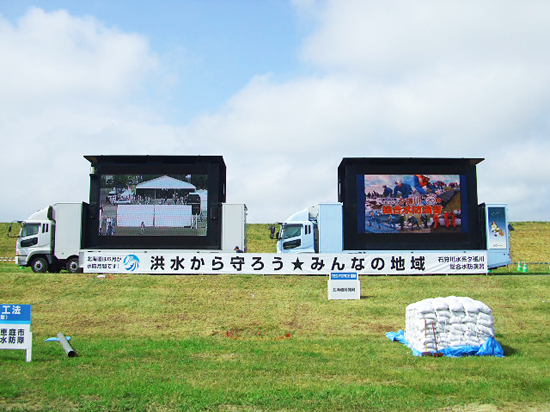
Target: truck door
<point>35,235</point>
<point>297,237</point>
<point>291,236</point>
<point>28,236</point>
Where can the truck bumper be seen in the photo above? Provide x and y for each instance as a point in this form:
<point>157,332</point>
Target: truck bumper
<point>21,260</point>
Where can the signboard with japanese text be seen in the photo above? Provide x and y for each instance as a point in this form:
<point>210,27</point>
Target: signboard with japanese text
<point>376,263</point>
<point>15,328</point>
<point>344,285</point>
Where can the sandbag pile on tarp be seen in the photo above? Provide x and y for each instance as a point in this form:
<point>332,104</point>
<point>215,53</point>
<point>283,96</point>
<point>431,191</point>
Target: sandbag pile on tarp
<point>490,348</point>
<point>433,325</point>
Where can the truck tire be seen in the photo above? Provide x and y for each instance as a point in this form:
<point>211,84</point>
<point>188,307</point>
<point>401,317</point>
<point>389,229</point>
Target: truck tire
<point>39,265</point>
<point>72,265</point>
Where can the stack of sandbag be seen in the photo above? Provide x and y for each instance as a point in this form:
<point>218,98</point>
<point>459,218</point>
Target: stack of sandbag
<point>435,324</point>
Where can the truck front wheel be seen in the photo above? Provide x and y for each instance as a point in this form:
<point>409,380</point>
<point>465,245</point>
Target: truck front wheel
<point>39,265</point>
<point>72,265</point>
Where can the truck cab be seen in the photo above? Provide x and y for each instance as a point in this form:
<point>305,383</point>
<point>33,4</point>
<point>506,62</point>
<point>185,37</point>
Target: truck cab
<point>50,239</point>
<point>35,242</point>
<point>297,234</point>
<point>316,229</point>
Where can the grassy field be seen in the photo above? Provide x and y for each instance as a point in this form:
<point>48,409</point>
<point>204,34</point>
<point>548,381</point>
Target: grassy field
<point>271,343</point>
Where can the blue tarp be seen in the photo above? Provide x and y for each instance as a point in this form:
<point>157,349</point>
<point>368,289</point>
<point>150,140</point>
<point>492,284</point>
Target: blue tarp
<point>56,339</point>
<point>490,348</point>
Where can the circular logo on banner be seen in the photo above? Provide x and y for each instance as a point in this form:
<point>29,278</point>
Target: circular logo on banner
<point>131,263</point>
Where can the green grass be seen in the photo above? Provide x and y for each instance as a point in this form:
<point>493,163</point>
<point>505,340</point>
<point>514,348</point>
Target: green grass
<point>7,244</point>
<point>530,242</point>
<point>160,343</point>
<point>259,240</point>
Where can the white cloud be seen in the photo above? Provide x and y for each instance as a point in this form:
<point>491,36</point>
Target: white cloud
<point>57,57</point>
<point>403,78</point>
<point>396,78</point>
<point>400,37</point>
<point>65,84</point>
<point>518,176</point>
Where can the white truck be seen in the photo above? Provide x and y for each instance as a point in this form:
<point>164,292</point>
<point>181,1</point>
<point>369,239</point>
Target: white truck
<point>320,229</point>
<point>404,209</point>
<point>51,239</point>
<point>316,229</point>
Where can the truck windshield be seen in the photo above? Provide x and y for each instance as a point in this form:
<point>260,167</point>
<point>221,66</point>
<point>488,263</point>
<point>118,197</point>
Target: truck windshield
<point>29,229</point>
<point>291,231</point>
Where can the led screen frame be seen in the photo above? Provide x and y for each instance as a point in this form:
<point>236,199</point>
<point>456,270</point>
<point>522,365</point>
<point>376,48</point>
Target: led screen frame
<point>435,207</point>
<point>155,202</point>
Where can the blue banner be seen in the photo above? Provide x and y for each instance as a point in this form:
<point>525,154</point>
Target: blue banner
<point>343,275</point>
<point>19,314</point>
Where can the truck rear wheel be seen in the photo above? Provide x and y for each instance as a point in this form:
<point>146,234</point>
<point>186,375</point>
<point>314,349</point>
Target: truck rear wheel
<point>72,265</point>
<point>39,265</point>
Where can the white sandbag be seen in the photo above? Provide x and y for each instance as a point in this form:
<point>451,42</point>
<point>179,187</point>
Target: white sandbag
<point>454,304</point>
<point>482,330</point>
<point>470,320</point>
<point>456,319</point>
<point>440,304</point>
<point>428,315</point>
<point>484,308</point>
<point>444,315</point>
<point>470,307</point>
<point>424,306</point>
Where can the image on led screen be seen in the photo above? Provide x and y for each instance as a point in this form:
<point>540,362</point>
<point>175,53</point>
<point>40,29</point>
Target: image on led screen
<point>411,204</point>
<point>153,205</point>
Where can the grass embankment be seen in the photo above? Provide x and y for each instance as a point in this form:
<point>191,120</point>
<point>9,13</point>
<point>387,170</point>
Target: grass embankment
<point>530,242</point>
<point>7,243</point>
<point>220,343</point>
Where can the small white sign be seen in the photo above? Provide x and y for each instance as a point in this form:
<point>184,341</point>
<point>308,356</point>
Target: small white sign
<point>344,285</point>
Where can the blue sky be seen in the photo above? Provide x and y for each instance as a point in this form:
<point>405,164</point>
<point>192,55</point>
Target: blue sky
<point>282,89</point>
<point>213,47</point>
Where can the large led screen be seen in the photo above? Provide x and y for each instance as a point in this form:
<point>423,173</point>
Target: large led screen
<point>155,202</point>
<point>409,203</point>
<point>415,204</point>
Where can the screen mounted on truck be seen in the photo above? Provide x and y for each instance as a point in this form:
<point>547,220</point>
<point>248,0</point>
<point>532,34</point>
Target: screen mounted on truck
<point>409,203</point>
<point>156,201</point>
